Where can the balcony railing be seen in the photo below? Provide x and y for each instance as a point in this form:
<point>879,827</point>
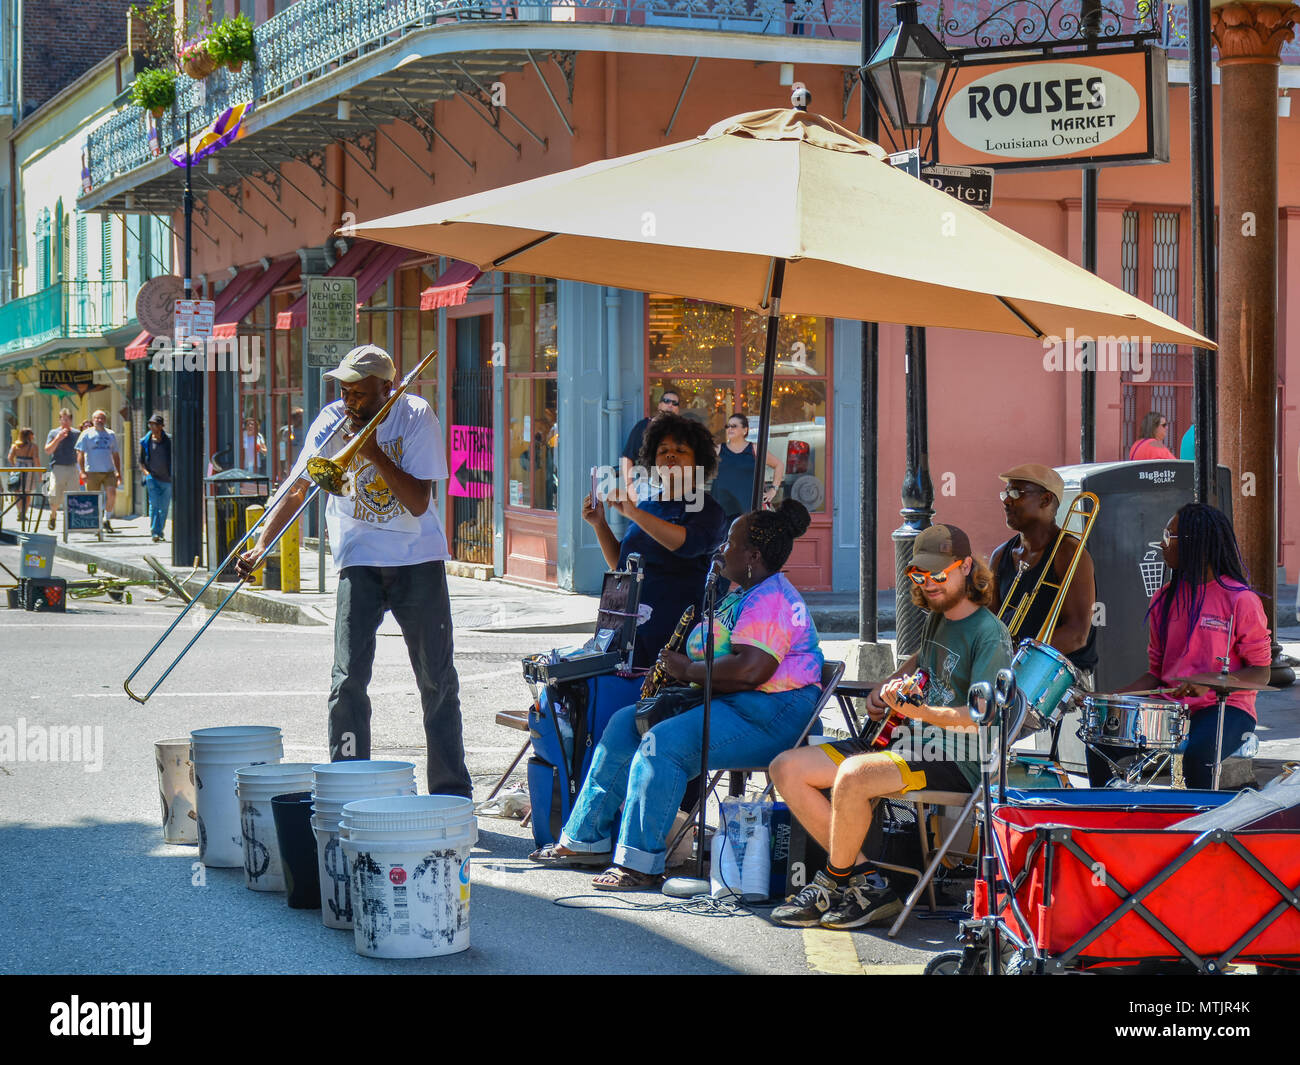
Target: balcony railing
<point>313,37</point>
<point>65,310</point>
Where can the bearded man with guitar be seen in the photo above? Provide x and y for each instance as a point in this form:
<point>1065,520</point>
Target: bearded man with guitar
<point>933,746</point>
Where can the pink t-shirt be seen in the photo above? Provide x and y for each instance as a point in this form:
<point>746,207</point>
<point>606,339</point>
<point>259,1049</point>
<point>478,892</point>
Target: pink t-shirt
<point>1192,645</point>
<point>1149,448</point>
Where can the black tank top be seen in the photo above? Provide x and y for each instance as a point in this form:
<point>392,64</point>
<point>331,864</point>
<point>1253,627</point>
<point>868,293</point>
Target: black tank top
<point>1086,656</point>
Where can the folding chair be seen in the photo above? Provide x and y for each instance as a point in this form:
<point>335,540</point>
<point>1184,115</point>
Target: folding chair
<point>927,798</point>
<point>831,674</point>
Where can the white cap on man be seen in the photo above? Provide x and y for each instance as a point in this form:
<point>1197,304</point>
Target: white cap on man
<point>369,360</point>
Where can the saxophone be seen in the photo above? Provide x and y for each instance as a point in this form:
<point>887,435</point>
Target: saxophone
<point>658,675</point>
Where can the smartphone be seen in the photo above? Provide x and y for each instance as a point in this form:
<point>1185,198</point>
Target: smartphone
<point>594,500</point>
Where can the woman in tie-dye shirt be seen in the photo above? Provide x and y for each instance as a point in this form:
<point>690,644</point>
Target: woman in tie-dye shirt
<point>767,668</point>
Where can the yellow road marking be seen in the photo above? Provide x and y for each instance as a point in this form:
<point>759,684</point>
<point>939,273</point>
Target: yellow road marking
<point>831,952</point>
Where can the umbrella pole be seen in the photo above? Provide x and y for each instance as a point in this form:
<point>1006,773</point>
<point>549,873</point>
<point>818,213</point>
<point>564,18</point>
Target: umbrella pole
<point>769,376</point>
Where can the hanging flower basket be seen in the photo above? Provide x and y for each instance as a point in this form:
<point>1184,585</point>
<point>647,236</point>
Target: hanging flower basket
<point>231,42</point>
<point>196,60</point>
<point>154,91</point>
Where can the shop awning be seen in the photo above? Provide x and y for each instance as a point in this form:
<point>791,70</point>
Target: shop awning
<point>452,287</point>
<point>139,347</point>
<point>227,319</point>
<point>370,263</point>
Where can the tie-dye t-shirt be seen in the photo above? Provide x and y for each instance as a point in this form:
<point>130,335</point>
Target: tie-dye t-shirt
<point>773,617</point>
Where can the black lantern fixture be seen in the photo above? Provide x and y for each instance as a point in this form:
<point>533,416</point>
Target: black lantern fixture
<point>908,71</point>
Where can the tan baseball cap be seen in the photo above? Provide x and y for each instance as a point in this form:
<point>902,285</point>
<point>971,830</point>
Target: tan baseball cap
<point>940,546</point>
<point>1034,473</point>
<point>365,361</point>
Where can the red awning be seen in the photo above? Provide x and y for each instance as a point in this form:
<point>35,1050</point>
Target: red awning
<point>227,318</point>
<point>452,287</point>
<point>139,347</point>
<point>356,263</point>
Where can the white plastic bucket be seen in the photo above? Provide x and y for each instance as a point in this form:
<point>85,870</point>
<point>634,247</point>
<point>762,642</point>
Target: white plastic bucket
<point>358,779</point>
<point>35,554</point>
<point>255,787</point>
<point>335,876</point>
<point>176,790</point>
<point>410,896</point>
<point>217,753</point>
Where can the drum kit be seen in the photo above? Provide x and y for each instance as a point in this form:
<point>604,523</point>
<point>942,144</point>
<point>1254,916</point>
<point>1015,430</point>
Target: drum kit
<point>1151,728</point>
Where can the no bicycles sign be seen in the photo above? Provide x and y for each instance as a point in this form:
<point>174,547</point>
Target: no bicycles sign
<point>331,319</point>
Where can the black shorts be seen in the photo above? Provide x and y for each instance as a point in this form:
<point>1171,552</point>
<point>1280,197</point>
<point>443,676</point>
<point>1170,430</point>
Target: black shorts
<point>933,774</point>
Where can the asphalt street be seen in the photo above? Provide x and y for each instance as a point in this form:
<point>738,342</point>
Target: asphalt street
<point>88,886</point>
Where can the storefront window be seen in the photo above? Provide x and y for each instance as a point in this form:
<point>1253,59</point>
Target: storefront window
<point>532,394</point>
<point>713,357</point>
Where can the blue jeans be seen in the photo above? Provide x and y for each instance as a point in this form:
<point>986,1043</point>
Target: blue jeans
<point>417,596</point>
<point>647,775</point>
<point>160,498</point>
<point>1198,759</point>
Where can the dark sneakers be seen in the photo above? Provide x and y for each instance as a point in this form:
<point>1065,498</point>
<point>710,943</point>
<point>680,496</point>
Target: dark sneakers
<point>805,909</point>
<point>863,902</point>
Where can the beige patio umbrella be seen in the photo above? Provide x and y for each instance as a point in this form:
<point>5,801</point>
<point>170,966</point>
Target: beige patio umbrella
<point>780,211</point>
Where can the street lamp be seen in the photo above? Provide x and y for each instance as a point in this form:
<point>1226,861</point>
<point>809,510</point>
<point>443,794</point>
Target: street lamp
<point>908,73</point>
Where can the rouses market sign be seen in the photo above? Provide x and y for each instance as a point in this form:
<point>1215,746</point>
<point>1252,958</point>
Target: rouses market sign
<point>1100,109</point>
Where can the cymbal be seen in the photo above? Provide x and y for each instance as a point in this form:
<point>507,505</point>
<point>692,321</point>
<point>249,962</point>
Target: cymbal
<point>1227,682</point>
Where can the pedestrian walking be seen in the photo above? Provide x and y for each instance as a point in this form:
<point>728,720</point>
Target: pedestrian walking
<point>61,446</point>
<point>22,452</point>
<point>735,480</point>
<point>100,460</point>
<point>390,551</point>
<point>1150,443</point>
<point>156,461</point>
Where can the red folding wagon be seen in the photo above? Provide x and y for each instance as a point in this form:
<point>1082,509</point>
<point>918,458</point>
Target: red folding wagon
<point>1092,880</point>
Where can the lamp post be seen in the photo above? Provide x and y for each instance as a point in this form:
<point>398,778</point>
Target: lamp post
<point>187,412</point>
<point>908,73</point>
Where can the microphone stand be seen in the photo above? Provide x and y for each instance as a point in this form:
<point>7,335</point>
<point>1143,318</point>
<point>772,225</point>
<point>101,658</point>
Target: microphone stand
<point>686,887</point>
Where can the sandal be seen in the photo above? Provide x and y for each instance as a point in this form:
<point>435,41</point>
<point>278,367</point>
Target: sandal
<point>616,878</point>
<point>548,856</point>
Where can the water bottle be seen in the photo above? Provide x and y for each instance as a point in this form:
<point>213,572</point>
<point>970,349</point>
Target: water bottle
<point>756,871</point>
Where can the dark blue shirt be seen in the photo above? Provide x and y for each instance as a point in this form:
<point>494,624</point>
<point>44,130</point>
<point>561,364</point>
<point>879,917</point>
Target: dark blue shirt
<point>156,458</point>
<point>673,580</point>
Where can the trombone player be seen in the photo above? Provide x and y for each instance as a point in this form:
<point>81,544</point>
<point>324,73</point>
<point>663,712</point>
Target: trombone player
<point>1030,501</point>
<point>389,548</point>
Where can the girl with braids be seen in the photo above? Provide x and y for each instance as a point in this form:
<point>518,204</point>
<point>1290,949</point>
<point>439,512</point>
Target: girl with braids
<point>766,674</point>
<point>1189,620</point>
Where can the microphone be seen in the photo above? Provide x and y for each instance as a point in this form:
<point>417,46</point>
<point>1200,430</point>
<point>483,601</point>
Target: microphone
<point>715,569</point>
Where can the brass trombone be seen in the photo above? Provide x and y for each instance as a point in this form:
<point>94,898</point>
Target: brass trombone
<point>1045,579</point>
<point>328,474</point>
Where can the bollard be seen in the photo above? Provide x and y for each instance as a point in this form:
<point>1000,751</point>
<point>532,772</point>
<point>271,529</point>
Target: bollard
<point>252,515</point>
<point>290,560</point>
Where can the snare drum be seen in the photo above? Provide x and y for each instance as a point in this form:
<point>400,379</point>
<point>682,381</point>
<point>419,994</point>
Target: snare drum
<point>1045,677</point>
<point>1130,721</point>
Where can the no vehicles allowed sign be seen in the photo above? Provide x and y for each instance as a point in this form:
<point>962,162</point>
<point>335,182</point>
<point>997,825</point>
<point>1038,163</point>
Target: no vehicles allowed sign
<point>331,320</point>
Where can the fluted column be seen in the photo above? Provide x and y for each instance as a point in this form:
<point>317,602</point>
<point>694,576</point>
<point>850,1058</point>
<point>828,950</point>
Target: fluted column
<point>1249,37</point>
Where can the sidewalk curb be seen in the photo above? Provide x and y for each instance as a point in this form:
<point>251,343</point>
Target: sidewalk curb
<point>243,602</point>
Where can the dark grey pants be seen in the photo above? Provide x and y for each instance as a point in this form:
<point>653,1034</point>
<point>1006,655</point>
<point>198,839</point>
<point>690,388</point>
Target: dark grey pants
<point>417,596</point>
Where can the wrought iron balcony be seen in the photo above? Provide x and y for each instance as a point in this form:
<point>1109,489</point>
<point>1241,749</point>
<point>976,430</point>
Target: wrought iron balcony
<point>66,310</point>
<point>313,38</point>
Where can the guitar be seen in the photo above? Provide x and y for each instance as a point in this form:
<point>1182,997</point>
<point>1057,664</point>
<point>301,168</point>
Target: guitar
<point>911,693</point>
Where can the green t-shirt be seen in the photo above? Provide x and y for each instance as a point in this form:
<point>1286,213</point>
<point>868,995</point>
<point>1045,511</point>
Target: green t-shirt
<point>957,654</point>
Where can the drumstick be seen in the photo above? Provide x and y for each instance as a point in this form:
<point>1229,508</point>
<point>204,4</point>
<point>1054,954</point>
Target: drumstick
<point>1150,691</point>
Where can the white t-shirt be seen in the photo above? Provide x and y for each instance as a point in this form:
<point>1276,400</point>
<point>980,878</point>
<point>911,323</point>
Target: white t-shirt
<point>371,527</point>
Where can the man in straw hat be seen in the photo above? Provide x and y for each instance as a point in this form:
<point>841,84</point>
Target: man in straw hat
<point>390,550</point>
<point>1030,502</point>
